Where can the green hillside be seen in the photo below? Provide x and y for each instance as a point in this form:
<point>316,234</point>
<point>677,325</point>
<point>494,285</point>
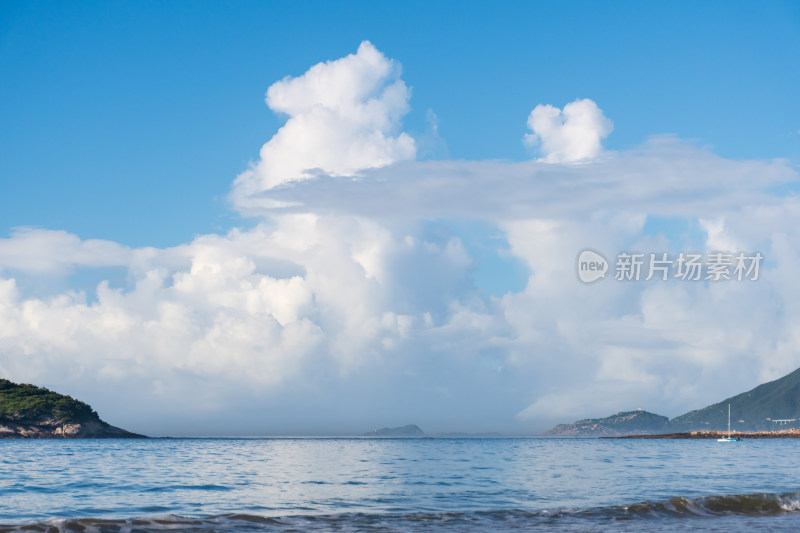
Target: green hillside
<point>29,402</point>
<point>751,410</point>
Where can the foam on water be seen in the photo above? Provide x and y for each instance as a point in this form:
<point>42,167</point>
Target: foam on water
<point>636,516</point>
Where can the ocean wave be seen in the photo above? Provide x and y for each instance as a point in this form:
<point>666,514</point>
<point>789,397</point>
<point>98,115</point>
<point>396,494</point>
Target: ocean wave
<point>738,505</point>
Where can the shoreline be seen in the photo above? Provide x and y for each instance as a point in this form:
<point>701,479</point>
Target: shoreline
<point>780,434</point>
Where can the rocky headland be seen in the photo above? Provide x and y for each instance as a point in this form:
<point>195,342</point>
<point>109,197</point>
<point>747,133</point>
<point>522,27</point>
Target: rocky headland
<point>31,412</point>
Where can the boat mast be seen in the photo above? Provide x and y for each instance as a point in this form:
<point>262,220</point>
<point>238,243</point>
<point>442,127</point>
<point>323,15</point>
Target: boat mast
<point>729,420</point>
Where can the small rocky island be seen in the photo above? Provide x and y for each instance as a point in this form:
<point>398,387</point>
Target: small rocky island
<point>31,412</point>
<point>411,430</point>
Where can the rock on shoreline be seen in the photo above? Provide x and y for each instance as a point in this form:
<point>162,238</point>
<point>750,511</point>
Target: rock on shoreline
<point>51,428</point>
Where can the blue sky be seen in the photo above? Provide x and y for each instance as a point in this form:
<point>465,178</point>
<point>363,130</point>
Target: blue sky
<point>112,110</point>
<point>139,162</point>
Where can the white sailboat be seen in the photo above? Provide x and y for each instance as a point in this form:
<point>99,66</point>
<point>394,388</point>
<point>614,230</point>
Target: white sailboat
<point>728,438</point>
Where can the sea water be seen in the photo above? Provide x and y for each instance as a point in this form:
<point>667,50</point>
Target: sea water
<point>364,484</point>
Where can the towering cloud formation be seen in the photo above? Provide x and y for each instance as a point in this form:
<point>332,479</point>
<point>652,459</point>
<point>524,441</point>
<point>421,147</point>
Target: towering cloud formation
<point>343,118</point>
<point>574,134</point>
<point>346,308</point>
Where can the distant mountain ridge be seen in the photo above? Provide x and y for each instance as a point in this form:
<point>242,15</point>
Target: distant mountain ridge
<point>770,406</point>
<point>753,410</point>
<point>28,411</point>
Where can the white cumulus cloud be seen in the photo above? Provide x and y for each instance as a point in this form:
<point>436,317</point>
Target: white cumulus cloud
<point>569,135</point>
<point>343,308</point>
<point>344,116</point>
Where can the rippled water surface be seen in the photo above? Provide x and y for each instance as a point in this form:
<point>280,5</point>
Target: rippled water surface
<point>398,484</point>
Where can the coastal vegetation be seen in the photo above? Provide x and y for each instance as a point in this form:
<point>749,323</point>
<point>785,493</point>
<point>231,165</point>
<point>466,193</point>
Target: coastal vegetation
<point>29,402</point>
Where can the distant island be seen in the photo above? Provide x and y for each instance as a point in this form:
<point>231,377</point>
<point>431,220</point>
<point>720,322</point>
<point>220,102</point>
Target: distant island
<point>31,412</point>
<point>411,430</point>
<point>624,423</point>
<point>772,407</point>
